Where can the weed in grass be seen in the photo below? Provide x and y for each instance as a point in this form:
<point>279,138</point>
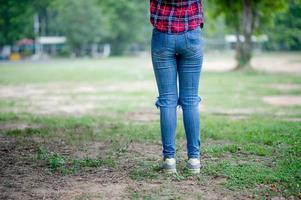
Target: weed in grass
<point>219,149</point>
<point>65,165</point>
<point>27,132</point>
<point>134,194</point>
<point>110,161</point>
<point>120,147</point>
<point>177,176</point>
<point>56,162</point>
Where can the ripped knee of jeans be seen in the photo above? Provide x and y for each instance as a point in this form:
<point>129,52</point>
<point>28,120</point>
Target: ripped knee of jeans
<point>158,103</point>
<point>162,102</point>
<point>183,104</point>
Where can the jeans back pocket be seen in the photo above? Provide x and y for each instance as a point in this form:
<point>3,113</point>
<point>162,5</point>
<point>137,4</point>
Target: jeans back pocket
<point>158,42</point>
<point>194,38</point>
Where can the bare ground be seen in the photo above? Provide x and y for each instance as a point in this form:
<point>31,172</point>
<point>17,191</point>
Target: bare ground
<point>87,98</point>
<point>23,177</point>
<point>67,98</point>
<point>283,100</point>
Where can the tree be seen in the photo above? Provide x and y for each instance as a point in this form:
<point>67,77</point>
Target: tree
<point>81,21</point>
<point>286,34</point>
<point>128,21</point>
<point>247,17</point>
<point>41,9</point>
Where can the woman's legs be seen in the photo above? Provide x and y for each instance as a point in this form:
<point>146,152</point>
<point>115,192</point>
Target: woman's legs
<point>182,55</point>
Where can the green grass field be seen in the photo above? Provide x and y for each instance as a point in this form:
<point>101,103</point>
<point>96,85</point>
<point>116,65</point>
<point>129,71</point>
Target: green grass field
<point>89,129</point>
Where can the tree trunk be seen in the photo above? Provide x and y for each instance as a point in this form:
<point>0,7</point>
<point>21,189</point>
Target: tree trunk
<point>77,51</point>
<point>244,44</point>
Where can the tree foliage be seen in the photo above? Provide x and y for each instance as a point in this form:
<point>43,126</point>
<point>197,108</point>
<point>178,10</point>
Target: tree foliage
<point>16,20</point>
<point>119,23</point>
<point>286,33</point>
<point>83,22</point>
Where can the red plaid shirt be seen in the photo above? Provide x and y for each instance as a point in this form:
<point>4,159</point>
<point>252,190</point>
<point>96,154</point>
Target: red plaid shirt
<point>176,16</point>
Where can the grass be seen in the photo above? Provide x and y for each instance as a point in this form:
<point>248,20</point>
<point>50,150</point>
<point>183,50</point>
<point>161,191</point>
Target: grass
<point>244,139</point>
<point>286,174</point>
<point>145,170</point>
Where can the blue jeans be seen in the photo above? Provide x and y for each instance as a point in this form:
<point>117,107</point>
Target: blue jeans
<point>178,56</point>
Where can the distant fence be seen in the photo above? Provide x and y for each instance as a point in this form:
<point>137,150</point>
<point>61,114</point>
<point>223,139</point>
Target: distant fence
<point>229,43</point>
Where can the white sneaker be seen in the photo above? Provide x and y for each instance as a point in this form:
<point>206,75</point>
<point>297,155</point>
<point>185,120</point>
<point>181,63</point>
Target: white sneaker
<point>194,165</point>
<point>169,165</point>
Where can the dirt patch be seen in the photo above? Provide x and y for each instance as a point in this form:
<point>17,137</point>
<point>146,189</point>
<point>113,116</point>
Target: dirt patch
<point>237,113</point>
<point>285,87</point>
<point>291,119</point>
<point>63,88</point>
<point>245,113</point>
<point>289,63</point>
<point>204,190</point>
<point>283,100</point>
<point>186,189</point>
<point>131,86</point>
<point>85,89</point>
<point>145,149</point>
<point>85,190</point>
<point>17,126</point>
<point>21,91</point>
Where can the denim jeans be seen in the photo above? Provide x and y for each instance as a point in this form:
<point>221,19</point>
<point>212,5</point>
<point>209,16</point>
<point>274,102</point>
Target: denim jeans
<point>178,58</point>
